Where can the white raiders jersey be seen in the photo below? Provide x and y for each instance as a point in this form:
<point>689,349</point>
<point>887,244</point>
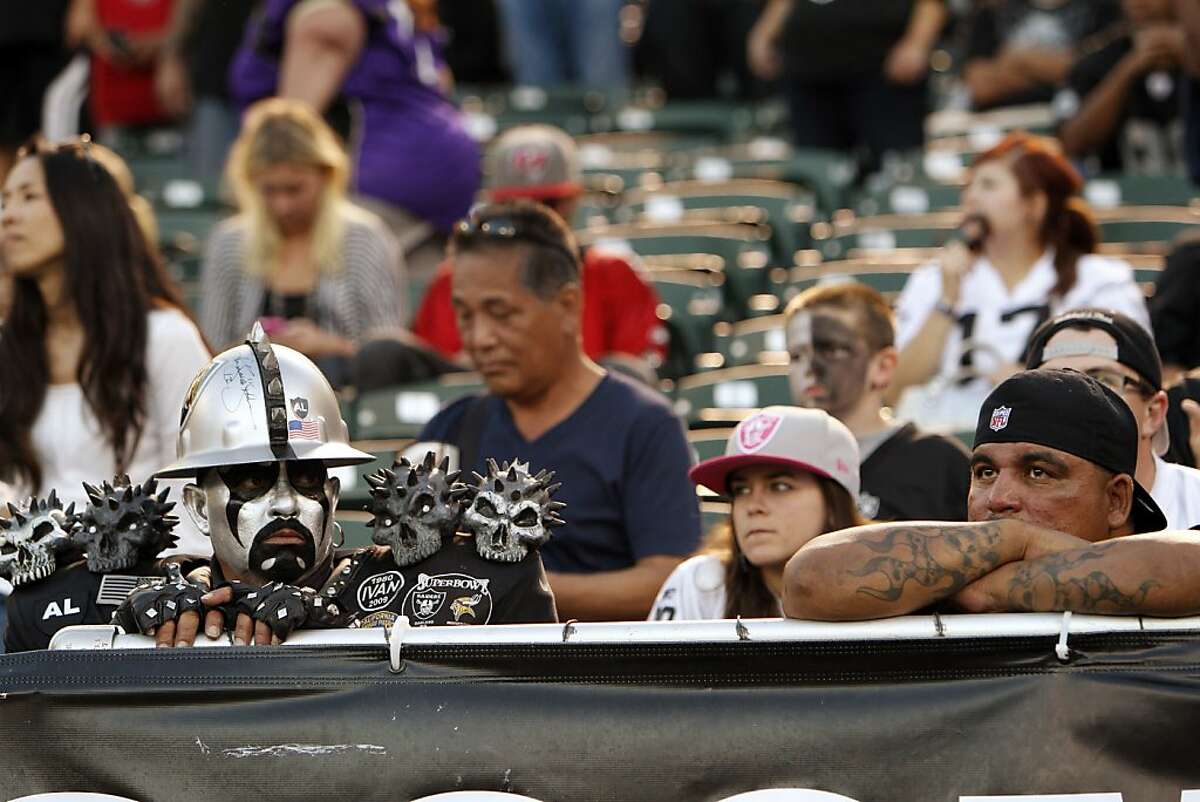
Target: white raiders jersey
<point>995,323</point>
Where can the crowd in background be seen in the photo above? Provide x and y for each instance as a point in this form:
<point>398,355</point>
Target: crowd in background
<point>333,132</point>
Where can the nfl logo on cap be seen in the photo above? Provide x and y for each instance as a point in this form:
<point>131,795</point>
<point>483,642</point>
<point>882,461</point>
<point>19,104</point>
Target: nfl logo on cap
<point>999,418</point>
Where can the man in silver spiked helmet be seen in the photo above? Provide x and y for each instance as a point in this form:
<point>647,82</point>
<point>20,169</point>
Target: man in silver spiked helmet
<point>260,427</point>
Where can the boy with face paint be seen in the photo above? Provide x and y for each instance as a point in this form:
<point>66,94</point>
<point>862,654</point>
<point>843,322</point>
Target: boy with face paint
<point>260,429</point>
<point>840,341</point>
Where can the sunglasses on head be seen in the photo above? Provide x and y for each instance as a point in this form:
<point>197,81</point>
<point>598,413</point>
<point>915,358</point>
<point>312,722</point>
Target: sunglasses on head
<point>508,229</point>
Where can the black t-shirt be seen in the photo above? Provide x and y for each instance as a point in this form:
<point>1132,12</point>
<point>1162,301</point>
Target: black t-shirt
<point>913,476</point>
<point>829,40</point>
<point>70,596</point>
<point>1175,306</point>
<point>1149,137</point>
<point>1036,25</point>
<point>453,587</point>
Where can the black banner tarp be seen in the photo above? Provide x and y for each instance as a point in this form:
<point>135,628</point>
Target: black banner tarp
<point>876,721</point>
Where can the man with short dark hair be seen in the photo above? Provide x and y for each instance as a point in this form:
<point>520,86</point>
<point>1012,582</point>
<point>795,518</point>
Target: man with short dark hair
<point>621,329</point>
<point>1056,523</point>
<point>614,443</point>
<point>841,340</point>
<point>1113,349</point>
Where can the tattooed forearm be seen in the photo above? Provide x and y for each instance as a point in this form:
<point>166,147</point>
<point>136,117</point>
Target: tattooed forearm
<point>1061,582</point>
<point>946,557</point>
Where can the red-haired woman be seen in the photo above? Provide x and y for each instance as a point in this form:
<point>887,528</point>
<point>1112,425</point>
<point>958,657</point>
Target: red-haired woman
<point>1028,252</point>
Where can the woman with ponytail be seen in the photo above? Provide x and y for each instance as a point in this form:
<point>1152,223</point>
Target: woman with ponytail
<point>96,351</point>
<point>790,474</point>
<point>1026,251</point>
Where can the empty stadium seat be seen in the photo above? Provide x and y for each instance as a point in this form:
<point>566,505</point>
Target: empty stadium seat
<point>401,412</point>
<point>759,340</point>
<point>730,394</point>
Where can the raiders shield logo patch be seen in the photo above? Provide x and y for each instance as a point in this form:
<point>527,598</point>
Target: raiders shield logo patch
<point>448,599</point>
<point>999,418</point>
<point>756,432</point>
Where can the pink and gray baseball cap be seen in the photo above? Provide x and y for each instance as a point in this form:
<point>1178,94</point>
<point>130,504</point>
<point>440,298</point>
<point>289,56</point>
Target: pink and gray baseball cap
<point>539,162</point>
<point>798,439</point>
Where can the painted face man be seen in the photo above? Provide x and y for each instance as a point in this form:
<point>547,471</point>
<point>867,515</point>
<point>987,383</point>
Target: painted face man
<point>269,521</point>
<point>830,359</point>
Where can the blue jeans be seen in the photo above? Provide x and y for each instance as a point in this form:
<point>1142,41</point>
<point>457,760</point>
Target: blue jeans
<point>556,42</point>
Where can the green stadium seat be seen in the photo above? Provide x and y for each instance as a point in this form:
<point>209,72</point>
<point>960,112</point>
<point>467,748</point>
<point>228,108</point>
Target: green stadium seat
<point>708,443</point>
<point>691,302</point>
<point>850,236</point>
<point>744,249</point>
<point>1109,191</point>
<point>728,395</point>
<point>401,412</point>
<point>718,119</point>
<point>1145,229</point>
<point>917,197</point>
<point>788,210</point>
<point>759,340</point>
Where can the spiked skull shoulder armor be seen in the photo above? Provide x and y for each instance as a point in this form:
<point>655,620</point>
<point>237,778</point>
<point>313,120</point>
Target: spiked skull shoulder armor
<point>415,506</point>
<point>512,511</point>
<point>124,524</point>
<point>32,537</point>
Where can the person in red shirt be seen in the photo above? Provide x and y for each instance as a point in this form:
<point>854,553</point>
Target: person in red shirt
<point>621,328</point>
<point>125,38</point>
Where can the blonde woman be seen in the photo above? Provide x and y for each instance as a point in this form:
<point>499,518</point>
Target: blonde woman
<point>321,273</point>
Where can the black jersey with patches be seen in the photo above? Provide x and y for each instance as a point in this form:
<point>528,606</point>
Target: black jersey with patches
<point>70,596</point>
<point>453,587</point>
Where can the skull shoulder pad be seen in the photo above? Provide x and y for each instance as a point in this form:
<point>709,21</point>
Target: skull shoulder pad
<point>414,506</point>
<point>512,511</point>
<point>124,524</point>
<point>32,537</point>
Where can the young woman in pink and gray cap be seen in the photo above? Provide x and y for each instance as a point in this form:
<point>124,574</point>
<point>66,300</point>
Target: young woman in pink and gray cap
<point>791,474</point>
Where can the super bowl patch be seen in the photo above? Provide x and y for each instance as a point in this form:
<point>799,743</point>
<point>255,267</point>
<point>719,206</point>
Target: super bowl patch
<point>448,599</point>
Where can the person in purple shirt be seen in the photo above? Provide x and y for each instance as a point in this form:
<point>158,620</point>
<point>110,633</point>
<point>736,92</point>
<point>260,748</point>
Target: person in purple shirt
<point>412,154</point>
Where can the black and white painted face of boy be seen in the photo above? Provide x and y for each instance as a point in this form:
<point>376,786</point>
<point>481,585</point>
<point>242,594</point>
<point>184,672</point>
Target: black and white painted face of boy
<point>829,360</point>
<point>271,521</point>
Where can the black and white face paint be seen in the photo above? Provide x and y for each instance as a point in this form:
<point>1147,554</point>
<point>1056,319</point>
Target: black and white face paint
<point>828,361</point>
<point>271,521</point>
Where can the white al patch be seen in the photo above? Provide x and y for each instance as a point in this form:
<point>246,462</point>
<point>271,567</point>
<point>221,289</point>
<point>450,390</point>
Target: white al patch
<point>57,610</point>
<point>379,591</point>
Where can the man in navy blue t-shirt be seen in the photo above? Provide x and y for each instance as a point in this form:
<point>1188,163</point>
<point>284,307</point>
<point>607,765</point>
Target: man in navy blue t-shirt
<point>620,453</point>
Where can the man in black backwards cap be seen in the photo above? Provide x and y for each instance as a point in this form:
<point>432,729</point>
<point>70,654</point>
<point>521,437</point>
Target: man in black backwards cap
<point>1056,522</point>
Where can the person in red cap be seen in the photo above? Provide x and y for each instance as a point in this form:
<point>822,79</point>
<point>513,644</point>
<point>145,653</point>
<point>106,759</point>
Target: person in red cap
<point>792,474</point>
<point>1056,521</point>
<point>621,328</point>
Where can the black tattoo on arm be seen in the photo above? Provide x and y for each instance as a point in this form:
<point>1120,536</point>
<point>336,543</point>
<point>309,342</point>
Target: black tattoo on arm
<point>1061,582</point>
<point>947,558</point>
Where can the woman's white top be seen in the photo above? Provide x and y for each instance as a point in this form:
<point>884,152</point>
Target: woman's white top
<point>999,322</point>
<point>695,591</point>
<point>71,446</point>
